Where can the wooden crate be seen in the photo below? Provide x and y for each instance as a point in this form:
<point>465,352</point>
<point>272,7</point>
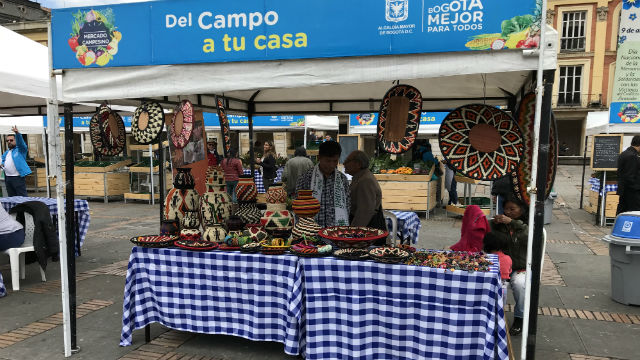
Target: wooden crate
<point>116,166</point>
<point>407,192</point>
<point>93,184</point>
<point>610,206</point>
<point>38,179</point>
<point>136,196</point>
<point>154,147</point>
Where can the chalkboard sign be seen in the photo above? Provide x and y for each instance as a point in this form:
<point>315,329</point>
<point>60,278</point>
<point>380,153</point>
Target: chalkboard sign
<point>604,152</point>
<point>349,143</point>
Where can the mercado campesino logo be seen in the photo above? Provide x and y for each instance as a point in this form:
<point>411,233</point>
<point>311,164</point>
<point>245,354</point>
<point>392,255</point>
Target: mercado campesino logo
<point>94,38</point>
<point>629,113</point>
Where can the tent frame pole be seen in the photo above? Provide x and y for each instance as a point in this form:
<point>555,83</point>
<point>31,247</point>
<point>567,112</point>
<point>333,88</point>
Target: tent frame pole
<point>70,225</point>
<point>54,146</point>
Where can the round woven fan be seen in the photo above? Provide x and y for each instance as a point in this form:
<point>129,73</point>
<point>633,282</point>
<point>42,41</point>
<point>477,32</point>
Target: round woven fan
<point>106,130</point>
<point>480,141</point>
<point>522,177</point>
<point>182,124</point>
<point>224,127</point>
<point>399,118</point>
<point>147,123</point>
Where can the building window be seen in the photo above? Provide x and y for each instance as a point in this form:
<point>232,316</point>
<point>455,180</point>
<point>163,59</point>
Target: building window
<point>573,31</point>
<point>570,85</point>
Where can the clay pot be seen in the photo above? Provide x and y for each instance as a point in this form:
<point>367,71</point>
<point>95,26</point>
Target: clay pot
<point>305,205</point>
<point>276,194</point>
<point>246,190</point>
<point>184,179</point>
<point>169,227</point>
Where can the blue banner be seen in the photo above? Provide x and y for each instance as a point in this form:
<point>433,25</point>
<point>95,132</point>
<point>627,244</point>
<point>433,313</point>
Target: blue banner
<point>283,121</point>
<point>83,121</point>
<point>200,31</point>
<point>371,119</point>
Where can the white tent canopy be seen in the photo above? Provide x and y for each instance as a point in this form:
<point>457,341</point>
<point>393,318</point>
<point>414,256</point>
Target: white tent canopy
<point>598,123</point>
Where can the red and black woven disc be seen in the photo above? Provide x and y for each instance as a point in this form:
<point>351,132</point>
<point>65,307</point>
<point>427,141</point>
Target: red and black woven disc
<point>106,130</point>
<point>470,128</point>
<point>522,177</point>
<point>386,119</point>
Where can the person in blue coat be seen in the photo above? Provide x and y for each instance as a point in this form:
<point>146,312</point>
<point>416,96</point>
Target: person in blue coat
<point>14,164</point>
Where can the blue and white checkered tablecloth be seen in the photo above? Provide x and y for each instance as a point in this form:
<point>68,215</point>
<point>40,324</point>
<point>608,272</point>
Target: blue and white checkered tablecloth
<point>81,208</point>
<point>258,178</point>
<point>368,310</point>
<point>3,290</point>
<point>595,186</point>
<point>408,226</point>
<point>213,292</point>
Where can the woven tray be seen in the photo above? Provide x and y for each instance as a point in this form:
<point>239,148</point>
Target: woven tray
<point>154,241</point>
<point>388,259</point>
<point>349,254</point>
<point>191,245</point>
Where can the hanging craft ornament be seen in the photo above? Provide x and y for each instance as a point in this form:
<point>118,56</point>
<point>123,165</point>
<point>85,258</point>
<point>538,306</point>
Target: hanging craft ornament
<point>182,124</point>
<point>224,126</point>
<point>480,141</point>
<point>106,130</point>
<point>147,123</point>
<point>521,178</point>
<point>399,118</point>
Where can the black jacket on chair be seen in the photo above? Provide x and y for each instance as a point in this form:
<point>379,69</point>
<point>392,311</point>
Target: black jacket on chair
<point>45,241</point>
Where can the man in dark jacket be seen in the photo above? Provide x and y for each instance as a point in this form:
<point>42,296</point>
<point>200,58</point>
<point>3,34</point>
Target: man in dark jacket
<point>629,177</point>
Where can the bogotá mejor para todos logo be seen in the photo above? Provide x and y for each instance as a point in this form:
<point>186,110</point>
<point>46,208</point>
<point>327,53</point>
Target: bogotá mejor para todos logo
<point>94,37</point>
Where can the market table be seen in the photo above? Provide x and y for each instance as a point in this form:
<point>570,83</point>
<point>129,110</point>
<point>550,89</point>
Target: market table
<point>595,186</point>
<point>3,290</point>
<point>81,208</point>
<point>408,226</point>
<point>257,177</point>
<point>368,310</point>
<point>213,292</point>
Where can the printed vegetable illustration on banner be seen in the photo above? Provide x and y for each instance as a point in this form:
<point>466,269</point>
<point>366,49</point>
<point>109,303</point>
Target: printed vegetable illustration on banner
<point>519,32</point>
<point>629,112</point>
<point>94,37</point>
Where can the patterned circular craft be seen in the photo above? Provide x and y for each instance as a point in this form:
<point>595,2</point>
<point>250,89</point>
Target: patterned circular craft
<point>182,124</point>
<point>224,127</point>
<point>480,141</point>
<point>147,123</point>
<point>154,240</point>
<point>246,190</point>
<point>305,226</point>
<point>305,205</point>
<point>196,245</point>
<point>276,194</point>
<point>522,177</point>
<point>249,213</point>
<point>352,236</point>
<point>106,130</point>
<point>399,119</point>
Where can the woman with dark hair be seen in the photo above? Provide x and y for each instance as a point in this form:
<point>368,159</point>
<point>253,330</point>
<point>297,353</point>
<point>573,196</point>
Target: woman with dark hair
<point>268,163</point>
<point>294,168</point>
<point>512,228</point>
<point>232,167</point>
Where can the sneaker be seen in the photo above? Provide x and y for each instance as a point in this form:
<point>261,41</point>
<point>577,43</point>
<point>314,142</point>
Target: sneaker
<point>516,327</point>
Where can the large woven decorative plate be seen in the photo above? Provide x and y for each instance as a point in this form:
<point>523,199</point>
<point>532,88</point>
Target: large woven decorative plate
<point>522,177</point>
<point>224,127</point>
<point>352,236</point>
<point>106,130</point>
<point>480,141</point>
<point>156,241</point>
<point>147,123</point>
<point>183,114</point>
<point>399,118</point>
<point>196,245</point>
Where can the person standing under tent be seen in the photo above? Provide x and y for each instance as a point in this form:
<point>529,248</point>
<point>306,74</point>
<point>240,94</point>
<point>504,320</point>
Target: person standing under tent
<point>329,186</point>
<point>14,164</point>
<point>232,167</point>
<point>629,177</point>
<point>501,189</point>
<point>268,163</point>
<point>213,159</point>
<point>294,168</point>
<point>365,193</point>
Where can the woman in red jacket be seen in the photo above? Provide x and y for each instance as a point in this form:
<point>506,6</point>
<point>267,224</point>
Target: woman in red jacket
<point>232,167</point>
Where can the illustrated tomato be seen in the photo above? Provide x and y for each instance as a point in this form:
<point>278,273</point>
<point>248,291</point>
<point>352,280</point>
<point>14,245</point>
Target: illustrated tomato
<point>73,43</point>
<point>520,44</point>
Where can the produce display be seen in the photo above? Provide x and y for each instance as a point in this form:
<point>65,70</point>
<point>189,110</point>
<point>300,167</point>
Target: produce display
<point>451,260</point>
<point>385,165</point>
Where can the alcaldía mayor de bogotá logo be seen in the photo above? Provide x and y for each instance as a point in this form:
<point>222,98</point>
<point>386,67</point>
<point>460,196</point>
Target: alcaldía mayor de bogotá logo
<point>94,37</point>
<point>397,10</point>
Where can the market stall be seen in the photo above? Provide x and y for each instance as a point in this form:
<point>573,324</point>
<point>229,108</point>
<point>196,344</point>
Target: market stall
<point>331,76</point>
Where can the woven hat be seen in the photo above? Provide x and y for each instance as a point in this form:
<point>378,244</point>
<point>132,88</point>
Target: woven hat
<point>399,118</point>
<point>106,130</point>
<point>147,123</point>
<point>182,117</point>
<point>480,141</point>
<point>522,177</point>
<point>224,126</point>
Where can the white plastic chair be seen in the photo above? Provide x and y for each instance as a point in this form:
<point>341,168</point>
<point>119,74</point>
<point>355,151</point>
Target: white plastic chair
<point>16,255</point>
<point>393,232</point>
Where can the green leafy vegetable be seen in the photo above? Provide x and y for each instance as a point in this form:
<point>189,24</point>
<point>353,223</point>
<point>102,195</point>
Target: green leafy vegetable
<point>516,24</point>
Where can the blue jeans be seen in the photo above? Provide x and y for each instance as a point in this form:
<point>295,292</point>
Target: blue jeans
<point>518,282</point>
<point>16,185</point>
<point>11,240</point>
<point>231,190</point>
<point>453,192</point>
